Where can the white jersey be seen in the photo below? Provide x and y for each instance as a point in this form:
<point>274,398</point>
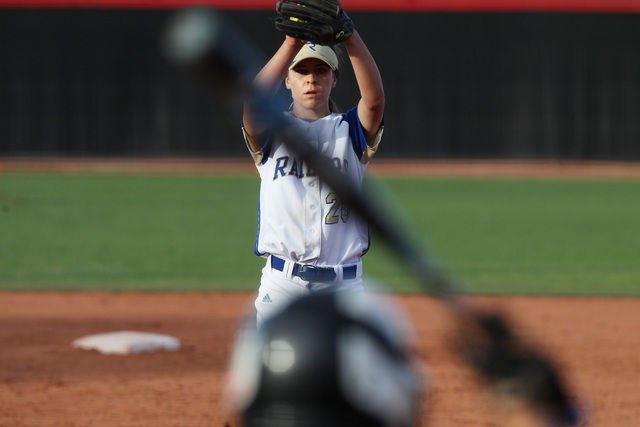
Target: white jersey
<point>300,218</point>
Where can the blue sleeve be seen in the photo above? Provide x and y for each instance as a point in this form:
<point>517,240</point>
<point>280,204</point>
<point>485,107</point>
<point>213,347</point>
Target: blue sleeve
<point>266,150</point>
<point>356,133</point>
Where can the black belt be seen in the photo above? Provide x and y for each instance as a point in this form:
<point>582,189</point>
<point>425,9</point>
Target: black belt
<point>314,273</point>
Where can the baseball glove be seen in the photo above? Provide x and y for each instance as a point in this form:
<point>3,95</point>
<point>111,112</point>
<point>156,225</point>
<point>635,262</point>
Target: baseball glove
<point>515,371</point>
<point>318,21</point>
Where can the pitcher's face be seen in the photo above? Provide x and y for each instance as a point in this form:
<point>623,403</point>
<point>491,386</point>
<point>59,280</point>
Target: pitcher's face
<point>311,82</point>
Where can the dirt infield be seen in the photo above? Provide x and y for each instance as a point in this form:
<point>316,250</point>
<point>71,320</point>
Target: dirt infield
<point>409,168</point>
<point>46,382</point>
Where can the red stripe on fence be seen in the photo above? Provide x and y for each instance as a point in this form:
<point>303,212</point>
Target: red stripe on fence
<point>569,6</point>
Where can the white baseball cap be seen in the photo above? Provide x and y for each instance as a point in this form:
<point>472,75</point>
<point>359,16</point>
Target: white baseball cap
<point>312,50</point>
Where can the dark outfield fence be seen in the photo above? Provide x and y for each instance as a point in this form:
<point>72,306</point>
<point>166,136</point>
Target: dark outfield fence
<point>92,82</point>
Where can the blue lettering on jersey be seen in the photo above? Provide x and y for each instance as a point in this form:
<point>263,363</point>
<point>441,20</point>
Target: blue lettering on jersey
<point>294,169</point>
<point>281,163</point>
<point>298,167</point>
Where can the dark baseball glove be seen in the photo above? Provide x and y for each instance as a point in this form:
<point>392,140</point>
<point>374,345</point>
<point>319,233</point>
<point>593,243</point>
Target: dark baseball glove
<point>515,371</point>
<point>317,21</point>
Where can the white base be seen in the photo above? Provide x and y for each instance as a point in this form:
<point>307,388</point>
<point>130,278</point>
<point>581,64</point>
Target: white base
<point>127,342</point>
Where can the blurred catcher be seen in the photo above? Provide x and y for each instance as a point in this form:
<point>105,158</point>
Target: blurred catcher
<point>329,359</point>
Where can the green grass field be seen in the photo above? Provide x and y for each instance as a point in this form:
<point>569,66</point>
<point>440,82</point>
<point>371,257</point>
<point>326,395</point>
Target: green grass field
<point>196,233</point>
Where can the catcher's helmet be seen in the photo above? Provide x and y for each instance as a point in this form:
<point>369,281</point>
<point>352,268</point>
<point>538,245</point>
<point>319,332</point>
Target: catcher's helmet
<point>331,359</point>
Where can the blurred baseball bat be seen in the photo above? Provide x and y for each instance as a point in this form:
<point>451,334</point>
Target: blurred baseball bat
<point>206,42</point>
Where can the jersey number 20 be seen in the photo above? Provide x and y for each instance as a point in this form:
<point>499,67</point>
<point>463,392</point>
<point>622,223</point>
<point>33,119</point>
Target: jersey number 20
<point>333,217</point>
